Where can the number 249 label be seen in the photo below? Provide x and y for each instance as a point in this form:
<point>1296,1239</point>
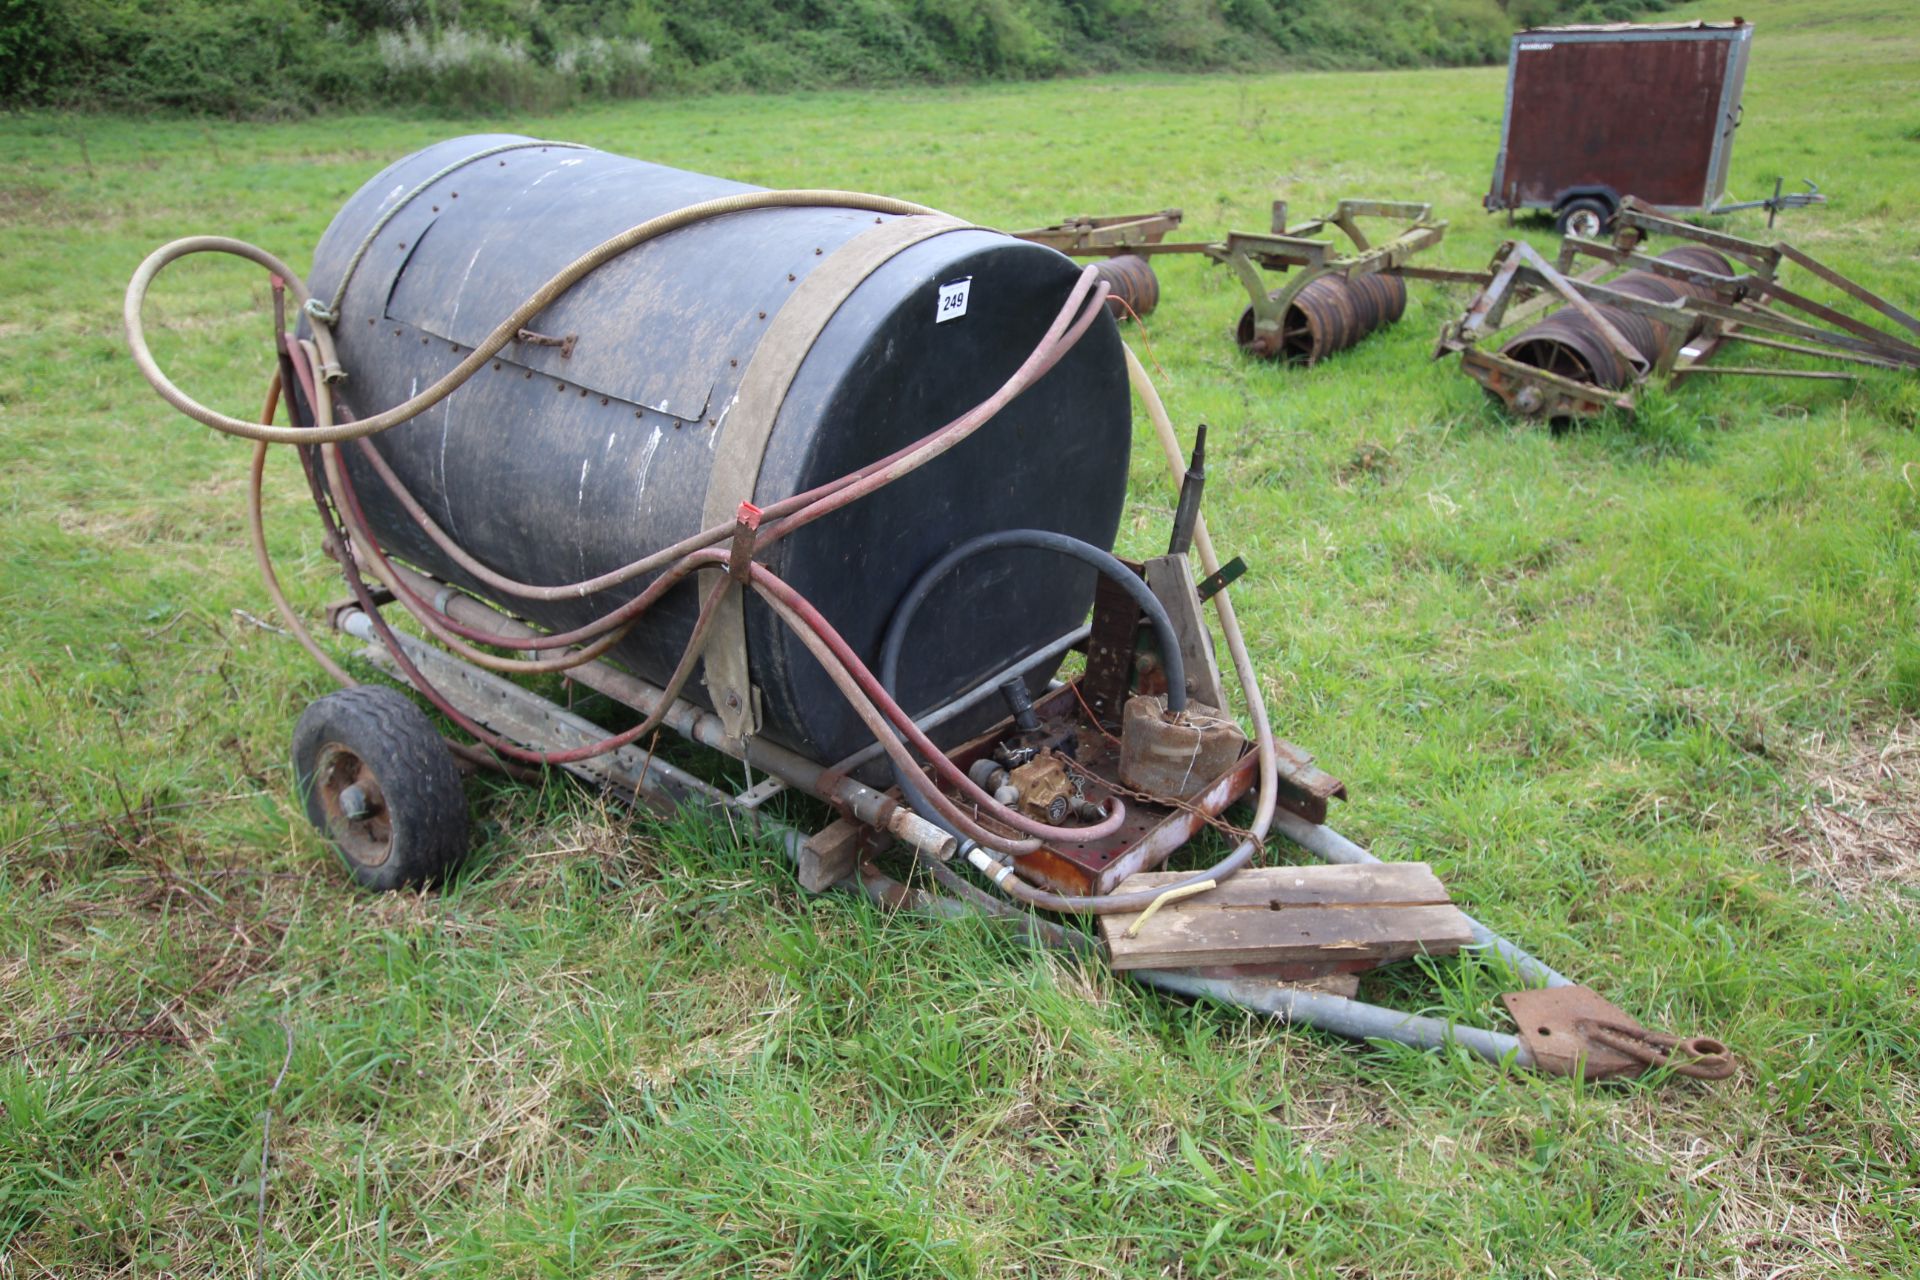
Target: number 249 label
<point>953,300</point>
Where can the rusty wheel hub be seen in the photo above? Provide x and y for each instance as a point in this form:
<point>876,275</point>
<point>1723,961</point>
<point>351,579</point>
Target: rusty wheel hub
<point>1586,224</point>
<point>356,809</point>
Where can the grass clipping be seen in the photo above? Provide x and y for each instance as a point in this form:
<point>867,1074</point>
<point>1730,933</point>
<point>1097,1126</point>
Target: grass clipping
<point>1859,829</point>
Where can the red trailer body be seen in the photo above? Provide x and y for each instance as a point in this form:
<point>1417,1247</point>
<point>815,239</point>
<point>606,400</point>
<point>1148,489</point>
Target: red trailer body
<point>1594,114</point>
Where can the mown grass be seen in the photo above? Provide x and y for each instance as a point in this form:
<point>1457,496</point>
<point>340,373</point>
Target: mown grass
<point>1641,692</point>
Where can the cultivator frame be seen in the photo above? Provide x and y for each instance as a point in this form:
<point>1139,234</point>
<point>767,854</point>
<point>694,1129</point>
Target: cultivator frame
<point>1744,308</point>
<point>1304,252</point>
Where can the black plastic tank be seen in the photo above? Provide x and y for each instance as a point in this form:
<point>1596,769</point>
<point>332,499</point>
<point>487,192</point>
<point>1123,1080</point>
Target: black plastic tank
<point>559,462</point>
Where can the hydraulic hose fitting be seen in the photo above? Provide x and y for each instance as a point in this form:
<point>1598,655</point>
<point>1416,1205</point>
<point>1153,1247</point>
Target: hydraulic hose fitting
<point>1020,703</point>
<point>988,866</point>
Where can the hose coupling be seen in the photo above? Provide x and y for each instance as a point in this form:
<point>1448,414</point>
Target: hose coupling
<point>1020,703</point>
<point>988,866</point>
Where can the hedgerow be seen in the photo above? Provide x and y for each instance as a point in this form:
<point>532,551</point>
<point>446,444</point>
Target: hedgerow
<point>271,58</point>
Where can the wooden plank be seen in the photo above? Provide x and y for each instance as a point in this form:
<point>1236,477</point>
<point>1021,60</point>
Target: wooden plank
<point>1319,915</point>
<point>830,855</point>
<point>1176,939</point>
<point>1320,884</point>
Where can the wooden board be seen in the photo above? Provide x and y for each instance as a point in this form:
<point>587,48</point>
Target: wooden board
<point>830,854</point>
<point>1337,916</point>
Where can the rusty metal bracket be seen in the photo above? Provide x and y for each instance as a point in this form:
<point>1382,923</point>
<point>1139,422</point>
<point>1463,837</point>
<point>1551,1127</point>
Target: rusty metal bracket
<point>1305,788</point>
<point>1248,254</point>
<point>1485,313</point>
<point>1535,393</point>
<point>1087,236</point>
<point>1644,221</point>
<point>533,339</point>
<point>1214,583</point>
<point>1110,651</point>
<point>746,531</point>
<point>1574,1031</point>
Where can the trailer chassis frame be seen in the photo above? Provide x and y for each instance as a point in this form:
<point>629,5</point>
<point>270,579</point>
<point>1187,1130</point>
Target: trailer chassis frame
<point>1563,1028</point>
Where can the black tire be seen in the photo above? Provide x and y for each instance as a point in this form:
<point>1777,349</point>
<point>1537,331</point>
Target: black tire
<point>1586,217</point>
<point>380,785</point>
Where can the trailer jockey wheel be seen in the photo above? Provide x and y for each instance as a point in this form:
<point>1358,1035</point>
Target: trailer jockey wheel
<point>380,785</point>
<point>1585,217</point>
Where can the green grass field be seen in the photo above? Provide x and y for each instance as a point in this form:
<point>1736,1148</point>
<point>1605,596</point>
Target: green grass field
<point>1642,692</point>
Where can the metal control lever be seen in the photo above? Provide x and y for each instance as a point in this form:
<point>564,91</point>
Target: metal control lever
<point>1187,512</point>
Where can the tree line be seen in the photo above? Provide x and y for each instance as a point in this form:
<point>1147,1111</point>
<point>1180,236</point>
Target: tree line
<point>284,58</point>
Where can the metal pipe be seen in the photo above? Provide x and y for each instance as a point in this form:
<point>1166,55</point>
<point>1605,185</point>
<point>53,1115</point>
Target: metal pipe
<point>1355,1019</point>
<point>658,781</point>
<point>695,725</point>
<point>1330,846</point>
<point>974,696</point>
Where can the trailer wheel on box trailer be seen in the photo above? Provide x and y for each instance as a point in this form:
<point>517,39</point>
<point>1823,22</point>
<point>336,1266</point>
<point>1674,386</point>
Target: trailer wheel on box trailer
<point>1598,113</point>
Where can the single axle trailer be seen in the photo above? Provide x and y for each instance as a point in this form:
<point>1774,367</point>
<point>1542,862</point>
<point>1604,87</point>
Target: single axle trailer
<point>827,483</point>
<point>1597,113</point>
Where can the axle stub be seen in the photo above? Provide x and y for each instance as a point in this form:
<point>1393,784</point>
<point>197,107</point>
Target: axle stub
<point>1584,216</point>
<point>379,784</point>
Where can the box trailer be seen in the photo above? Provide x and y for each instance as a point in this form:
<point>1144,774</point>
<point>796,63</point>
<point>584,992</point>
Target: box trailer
<point>1598,113</point>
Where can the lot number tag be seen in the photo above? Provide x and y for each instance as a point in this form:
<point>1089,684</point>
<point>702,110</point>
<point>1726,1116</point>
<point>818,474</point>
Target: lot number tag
<point>953,300</point>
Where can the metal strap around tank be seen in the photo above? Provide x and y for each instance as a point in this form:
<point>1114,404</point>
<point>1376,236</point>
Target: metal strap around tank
<point>748,423</point>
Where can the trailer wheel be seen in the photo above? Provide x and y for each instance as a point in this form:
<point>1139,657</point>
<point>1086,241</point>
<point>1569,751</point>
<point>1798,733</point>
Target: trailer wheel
<point>1586,217</point>
<point>380,785</point>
